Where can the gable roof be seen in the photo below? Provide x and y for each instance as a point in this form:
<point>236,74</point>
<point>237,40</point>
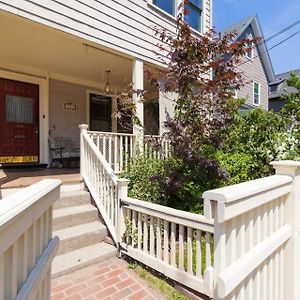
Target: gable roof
<point>262,49</point>
<point>280,86</point>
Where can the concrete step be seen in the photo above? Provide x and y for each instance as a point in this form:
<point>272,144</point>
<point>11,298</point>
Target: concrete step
<point>74,215</point>
<point>80,258</point>
<point>72,198</point>
<point>79,236</point>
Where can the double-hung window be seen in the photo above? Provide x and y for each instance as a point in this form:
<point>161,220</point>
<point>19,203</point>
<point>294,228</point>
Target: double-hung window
<point>193,18</point>
<point>166,5</point>
<point>256,93</point>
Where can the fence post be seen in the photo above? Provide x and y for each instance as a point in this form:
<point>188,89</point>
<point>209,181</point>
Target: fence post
<point>83,128</point>
<point>291,217</point>
<point>122,191</point>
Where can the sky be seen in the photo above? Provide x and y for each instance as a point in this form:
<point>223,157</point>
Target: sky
<point>274,15</point>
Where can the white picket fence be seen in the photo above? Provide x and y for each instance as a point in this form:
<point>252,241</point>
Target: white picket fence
<point>26,244</point>
<point>246,246</point>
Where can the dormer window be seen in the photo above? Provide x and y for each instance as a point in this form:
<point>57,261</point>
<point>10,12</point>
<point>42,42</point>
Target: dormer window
<point>249,53</point>
<point>193,18</point>
<point>166,5</point>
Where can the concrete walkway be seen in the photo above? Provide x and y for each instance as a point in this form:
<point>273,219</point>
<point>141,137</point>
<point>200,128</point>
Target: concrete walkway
<point>109,280</point>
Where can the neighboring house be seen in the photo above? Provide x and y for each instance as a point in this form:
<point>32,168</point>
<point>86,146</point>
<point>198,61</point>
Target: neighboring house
<point>53,61</point>
<point>256,66</point>
<point>279,88</point>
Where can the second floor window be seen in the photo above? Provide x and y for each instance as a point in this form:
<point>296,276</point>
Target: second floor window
<point>166,5</point>
<point>193,18</point>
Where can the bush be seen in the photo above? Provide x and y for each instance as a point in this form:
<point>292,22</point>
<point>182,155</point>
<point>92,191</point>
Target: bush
<point>142,172</point>
<point>240,166</point>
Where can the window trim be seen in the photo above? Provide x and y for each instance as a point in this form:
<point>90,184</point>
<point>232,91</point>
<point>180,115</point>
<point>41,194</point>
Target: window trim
<point>259,93</point>
<point>175,12</point>
<point>174,17</point>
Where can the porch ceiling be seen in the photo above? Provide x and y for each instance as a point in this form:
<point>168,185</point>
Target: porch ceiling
<point>28,44</point>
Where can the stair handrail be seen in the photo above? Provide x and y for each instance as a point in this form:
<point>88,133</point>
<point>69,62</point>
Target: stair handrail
<point>109,170</point>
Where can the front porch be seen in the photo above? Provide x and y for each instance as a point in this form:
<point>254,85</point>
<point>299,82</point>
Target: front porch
<point>70,74</point>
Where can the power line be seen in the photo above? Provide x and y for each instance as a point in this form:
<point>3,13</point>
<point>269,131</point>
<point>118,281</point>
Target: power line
<point>282,31</point>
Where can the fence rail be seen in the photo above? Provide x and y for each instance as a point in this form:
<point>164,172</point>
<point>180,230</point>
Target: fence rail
<point>27,247</point>
<point>178,244</point>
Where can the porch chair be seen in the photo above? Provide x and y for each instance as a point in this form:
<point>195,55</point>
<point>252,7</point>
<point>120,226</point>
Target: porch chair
<point>61,150</point>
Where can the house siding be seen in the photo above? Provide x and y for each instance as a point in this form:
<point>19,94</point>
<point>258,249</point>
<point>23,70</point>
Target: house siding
<point>122,25</point>
<point>253,71</point>
<point>61,122</point>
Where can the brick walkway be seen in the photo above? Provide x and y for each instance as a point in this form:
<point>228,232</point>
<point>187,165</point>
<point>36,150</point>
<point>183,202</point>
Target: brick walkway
<point>110,280</point>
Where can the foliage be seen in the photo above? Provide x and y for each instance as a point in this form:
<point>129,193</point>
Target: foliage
<point>254,135</point>
<point>240,166</point>
<point>141,173</point>
<point>212,145</point>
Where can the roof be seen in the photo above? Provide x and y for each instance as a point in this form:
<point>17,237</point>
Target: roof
<point>262,49</point>
<point>279,87</point>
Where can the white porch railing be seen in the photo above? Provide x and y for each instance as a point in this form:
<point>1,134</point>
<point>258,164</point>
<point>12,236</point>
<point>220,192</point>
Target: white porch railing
<point>27,247</point>
<point>117,148</point>
<point>246,246</point>
<point>175,243</point>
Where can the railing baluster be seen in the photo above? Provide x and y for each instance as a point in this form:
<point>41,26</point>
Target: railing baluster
<point>198,254</point>
<point>152,235</point>
<point>158,239</point>
<point>145,233</point>
<point>189,250</point>
<point>133,227</point>
<point>173,244</point>
<point>181,247</point>
<point>166,242</point>
<point>140,230</point>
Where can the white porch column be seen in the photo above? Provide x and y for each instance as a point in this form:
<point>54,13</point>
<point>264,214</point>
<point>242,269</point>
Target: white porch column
<point>166,105</point>
<point>291,217</point>
<point>83,128</point>
<point>138,84</point>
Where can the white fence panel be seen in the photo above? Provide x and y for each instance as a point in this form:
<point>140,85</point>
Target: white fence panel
<point>27,247</point>
<point>175,243</point>
<point>251,235</point>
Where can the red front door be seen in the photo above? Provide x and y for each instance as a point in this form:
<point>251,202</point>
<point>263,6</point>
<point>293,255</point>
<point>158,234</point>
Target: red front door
<point>19,122</point>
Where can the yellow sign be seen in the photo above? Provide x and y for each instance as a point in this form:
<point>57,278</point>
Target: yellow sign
<point>18,159</point>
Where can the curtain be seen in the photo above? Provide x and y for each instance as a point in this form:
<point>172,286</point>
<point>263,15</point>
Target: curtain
<point>19,109</point>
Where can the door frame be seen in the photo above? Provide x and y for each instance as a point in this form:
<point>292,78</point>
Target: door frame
<point>113,120</point>
<point>43,83</point>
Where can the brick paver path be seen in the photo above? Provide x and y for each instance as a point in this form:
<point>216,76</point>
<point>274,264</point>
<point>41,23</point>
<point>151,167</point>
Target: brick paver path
<point>110,280</point>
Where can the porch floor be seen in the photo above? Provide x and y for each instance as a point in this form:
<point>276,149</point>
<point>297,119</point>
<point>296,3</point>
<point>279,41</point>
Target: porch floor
<point>109,280</point>
<point>17,178</point>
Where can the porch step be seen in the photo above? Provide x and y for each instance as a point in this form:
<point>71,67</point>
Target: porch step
<point>74,215</point>
<point>79,236</point>
<point>80,258</point>
<point>72,198</point>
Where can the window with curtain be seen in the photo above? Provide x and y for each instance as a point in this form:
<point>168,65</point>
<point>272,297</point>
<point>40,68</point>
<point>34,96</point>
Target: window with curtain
<point>193,18</point>
<point>166,5</point>
<point>19,109</point>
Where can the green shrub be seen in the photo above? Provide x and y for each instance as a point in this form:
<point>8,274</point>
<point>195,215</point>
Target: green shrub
<point>142,172</point>
<point>240,166</point>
